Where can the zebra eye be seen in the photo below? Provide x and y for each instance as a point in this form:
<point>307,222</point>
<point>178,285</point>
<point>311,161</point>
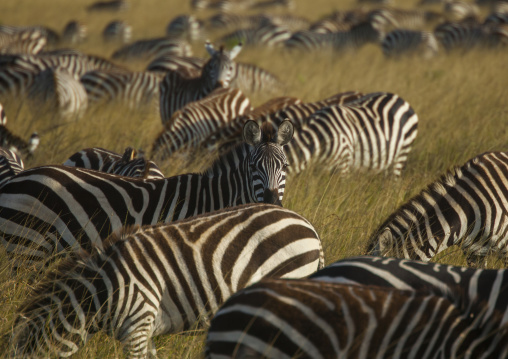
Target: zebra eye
<point>285,165</point>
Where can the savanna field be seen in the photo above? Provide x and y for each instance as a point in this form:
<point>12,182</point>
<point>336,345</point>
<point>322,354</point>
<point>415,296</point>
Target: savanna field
<point>461,99</point>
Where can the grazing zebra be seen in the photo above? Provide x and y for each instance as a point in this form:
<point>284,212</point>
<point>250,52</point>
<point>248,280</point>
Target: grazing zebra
<point>11,142</point>
<point>374,132</point>
<point>56,90</point>
<point>176,91</point>
<point>264,35</point>
<point>31,42</point>
<point>465,207</point>
<point>456,10</point>
<point>467,285</point>
<point>164,279</point>
<point>117,31</point>
<point>152,48</point>
<point>111,5</point>
<point>184,27</point>
<point>10,165</point>
<point>235,21</point>
<point>74,32</point>
<point>462,36</point>
<point>49,209</point>
<point>134,89</point>
<point>403,42</point>
<point>198,120</point>
<point>284,318</point>
<point>131,163</point>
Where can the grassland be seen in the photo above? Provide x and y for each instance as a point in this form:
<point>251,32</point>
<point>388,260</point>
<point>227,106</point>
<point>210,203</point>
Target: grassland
<point>461,100</point>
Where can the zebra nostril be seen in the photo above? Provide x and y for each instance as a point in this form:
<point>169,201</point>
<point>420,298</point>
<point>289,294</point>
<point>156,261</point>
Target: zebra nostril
<point>271,196</point>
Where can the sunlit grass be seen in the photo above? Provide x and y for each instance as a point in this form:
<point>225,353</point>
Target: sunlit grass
<point>460,99</point>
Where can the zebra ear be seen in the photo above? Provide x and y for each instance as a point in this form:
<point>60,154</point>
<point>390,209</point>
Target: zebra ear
<point>251,133</point>
<point>209,48</point>
<point>286,131</point>
<point>235,51</point>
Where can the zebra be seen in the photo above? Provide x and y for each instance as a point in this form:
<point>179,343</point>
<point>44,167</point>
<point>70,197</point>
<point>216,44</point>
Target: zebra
<point>457,10</point>
<point>198,120</point>
<point>184,26</point>
<point>148,49</point>
<point>117,31</point>
<point>132,163</point>
<point>302,318</point>
<point>235,21</point>
<point>74,32</point>
<point>58,207</point>
<point>462,36</point>
<point>109,5</point>
<point>10,165</point>
<point>134,89</point>
<point>372,133</point>
<point>402,42</point>
<point>265,35</point>
<point>184,270</point>
<point>464,207</point>
<point>31,41</point>
<point>189,66</point>
<point>176,91</point>
<point>11,142</point>
<point>55,89</point>
<point>51,35</point>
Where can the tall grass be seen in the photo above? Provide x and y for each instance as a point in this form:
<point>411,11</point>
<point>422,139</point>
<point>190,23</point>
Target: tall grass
<point>461,100</point>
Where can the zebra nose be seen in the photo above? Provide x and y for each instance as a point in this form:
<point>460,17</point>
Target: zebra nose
<point>271,196</point>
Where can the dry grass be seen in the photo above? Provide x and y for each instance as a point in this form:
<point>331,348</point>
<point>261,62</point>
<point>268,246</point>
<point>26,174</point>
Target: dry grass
<point>460,100</point>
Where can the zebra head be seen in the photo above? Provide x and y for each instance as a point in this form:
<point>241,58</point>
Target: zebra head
<point>382,244</point>
<point>267,161</point>
<point>219,70</point>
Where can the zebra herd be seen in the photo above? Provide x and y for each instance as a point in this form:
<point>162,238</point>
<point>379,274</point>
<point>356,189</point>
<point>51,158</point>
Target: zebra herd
<point>116,246</point>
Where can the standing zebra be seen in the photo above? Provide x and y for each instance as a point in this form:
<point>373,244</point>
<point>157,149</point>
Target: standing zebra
<point>57,90</point>
<point>10,165</point>
<point>374,132</point>
<point>133,89</point>
<point>403,42</point>
<point>176,91</point>
<point>198,120</point>
<point>283,318</point>
<point>130,164</point>
<point>164,279</point>
<point>466,207</point>
<point>49,209</point>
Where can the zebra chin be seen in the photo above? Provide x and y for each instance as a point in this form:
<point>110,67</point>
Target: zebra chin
<point>270,196</point>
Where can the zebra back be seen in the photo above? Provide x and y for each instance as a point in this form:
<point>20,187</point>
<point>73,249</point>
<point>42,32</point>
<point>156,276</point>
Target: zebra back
<point>129,164</point>
<point>10,165</point>
<point>401,41</point>
<point>152,48</point>
<point>31,41</point>
<point>189,269</point>
<point>281,318</point>
<point>464,207</point>
<point>189,66</point>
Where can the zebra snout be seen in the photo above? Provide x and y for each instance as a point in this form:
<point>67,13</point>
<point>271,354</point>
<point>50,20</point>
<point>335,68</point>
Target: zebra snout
<point>271,196</point>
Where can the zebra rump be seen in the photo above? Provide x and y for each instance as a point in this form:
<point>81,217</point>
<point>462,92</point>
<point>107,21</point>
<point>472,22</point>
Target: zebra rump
<point>464,207</point>
<point>131,163</point>
<point>283,318</point>
<point>164,279</point>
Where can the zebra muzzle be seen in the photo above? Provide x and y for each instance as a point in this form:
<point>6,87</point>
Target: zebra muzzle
<point>271,196</point>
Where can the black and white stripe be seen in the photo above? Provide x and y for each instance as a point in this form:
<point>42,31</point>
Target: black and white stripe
<point>117,31</point>
<point>12,142</point>
<point>48,209</point>
<point>408,42</point>
<point>176,90</point>
<point>10,165</point>
<point>108,5</point>
<point>149,49</point>
<point>186,27</point>
<point>131,163</point>
<point>281,318</point>
<point>374,132</point>
<point>164,279</point>
<point>462,36</point>
<point>465,207</point>
<point>74,32</point>
<point>264,35</point>
<point>30,41</point>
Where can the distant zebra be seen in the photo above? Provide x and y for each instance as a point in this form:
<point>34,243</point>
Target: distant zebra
<point>74,32</point>
<point>198,120</point>
<point>465,207</point>
<point>234,21</point>
<point>108,5</point>
<point>176,91</point>
<point>130,164</point>
<point>265,35</point>
<point>51,35</point>
<point>117,31</point>
<point>283,318</point>
<point>164,279</point>
<point>372,133</point>
<point>148,49</point>
<point>188,66</point>
<point>454,36</point>
<point>11,142</point>
<point>58,91</point>
<point>133,89</point>
<point>50,209</point>
<point>457,10</point>
<point>31,41</point>
<point>488,287</point>
<point>405,42</point>
<point>184,27</point>
<point>10,165</point>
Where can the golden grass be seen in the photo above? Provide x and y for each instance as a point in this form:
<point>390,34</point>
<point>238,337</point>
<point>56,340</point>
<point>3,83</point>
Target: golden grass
<point>460,99</point>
